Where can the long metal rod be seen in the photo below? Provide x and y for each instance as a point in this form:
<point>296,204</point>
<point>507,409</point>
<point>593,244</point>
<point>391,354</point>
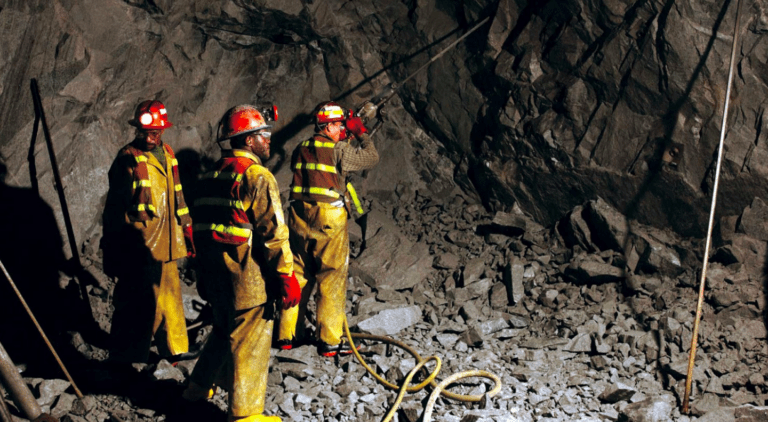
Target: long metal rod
<point>40,113</point>
<point>56,176</point>
<point>395,86</point>
<point>702,282</point>
<point>16,387</point>
<point>31,156</point>
<point>40,330</point>
<point>445,50</point>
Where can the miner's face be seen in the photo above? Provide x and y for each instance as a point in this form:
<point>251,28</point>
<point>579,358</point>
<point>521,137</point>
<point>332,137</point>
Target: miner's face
<point>259,144</point>
<point>149,139</point>
<point>336,131</point>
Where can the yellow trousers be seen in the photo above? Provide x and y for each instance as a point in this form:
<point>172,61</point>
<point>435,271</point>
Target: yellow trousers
<point>320,246</point>
<point>147,302</point>
<point>236,357</point>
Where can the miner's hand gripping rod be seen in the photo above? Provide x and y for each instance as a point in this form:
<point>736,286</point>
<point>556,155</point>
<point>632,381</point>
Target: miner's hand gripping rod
<point>375,107</point>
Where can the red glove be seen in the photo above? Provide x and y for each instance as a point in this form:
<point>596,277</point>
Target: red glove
<point>188,240</point>
<point>291,290</point>
<point>356,126</point>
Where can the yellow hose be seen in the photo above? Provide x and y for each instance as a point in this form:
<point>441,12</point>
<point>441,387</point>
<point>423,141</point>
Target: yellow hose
<point>439,389</point>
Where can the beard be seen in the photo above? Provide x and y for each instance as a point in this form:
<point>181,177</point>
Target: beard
<point>261,150</point>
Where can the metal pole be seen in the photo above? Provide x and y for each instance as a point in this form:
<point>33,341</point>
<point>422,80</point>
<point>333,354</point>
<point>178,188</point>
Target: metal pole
<point>395,86</point>
<point>445,50</point>
<point>42,333</point>
<point>39,112</point>
<point>17,388</point>
<point>694,337</point>
<point>55,167</point>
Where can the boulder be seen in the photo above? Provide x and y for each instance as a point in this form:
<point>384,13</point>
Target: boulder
<point>392,321</point>
<point>653,409</point>
<point>391,260</point>
<point>592,271</point>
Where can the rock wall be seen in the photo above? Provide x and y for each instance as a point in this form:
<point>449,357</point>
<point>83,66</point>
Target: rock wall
<point>551,104</point>
<point>621,100</point>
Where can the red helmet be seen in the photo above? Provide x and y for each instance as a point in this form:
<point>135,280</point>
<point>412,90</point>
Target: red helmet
<point>240,120</point>
<point>151,114</point>
<point>329,112</point>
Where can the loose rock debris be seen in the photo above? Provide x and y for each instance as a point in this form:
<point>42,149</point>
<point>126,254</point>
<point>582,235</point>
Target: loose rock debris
<point>589,320</point>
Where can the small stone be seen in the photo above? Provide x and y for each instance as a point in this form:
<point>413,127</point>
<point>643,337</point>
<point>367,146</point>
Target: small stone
<point>580,343</point>
<point>616,393</point>
<point>757,379</point>
<point>472,337</point>
<point>391,321</point>
<point>469,311</point>
<point>49,390</point>
<point>291,384</point>
<point>492,326</point>
<point>654,409</point>
<point>287,404</point>
<point>146,412</point>
<point>166,371</point>
<point>517,321</point>
<point>63,405</point>
<point>498,296</point>
<point>405,365</point>
<point>446,261</point>
<point>447,340</point>
<point>82,406</point>
<point>534,355</point>
<point>473,271</point>
<point>303,399</point>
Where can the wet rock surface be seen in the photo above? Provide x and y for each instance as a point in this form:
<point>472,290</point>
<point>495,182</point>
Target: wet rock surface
<point>545,106</point>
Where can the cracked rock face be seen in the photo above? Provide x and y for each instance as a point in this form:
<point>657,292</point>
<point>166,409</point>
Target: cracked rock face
<point>537,212</point>
<point>547,106</point>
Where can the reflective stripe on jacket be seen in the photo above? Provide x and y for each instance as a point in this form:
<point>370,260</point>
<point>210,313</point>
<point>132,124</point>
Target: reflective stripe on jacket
<point>142,208</point>
<point>220,211</point>
<point>315,176</point>
<point>139,184</point>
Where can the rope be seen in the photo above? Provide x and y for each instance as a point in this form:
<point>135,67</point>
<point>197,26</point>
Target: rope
<point>438,389</point>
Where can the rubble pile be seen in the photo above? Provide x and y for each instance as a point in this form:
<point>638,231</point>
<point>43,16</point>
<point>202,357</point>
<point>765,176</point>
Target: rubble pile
<point>590,320</point>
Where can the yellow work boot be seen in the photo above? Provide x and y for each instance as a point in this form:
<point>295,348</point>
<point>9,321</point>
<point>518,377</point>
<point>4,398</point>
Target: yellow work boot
<point>257,418</point>
<point>195,392</point>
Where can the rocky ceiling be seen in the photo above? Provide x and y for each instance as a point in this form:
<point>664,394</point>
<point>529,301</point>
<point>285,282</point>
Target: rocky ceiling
<point>550,105</point>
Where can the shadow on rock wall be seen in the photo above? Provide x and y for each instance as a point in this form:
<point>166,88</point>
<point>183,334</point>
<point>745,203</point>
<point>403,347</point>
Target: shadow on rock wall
<point>31,251</point>
<point>286,133</point>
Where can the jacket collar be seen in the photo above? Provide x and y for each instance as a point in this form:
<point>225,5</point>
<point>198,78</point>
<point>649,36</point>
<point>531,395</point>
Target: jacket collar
<point>151,159</point>
<point>324,136</point>
<point>241,153</point>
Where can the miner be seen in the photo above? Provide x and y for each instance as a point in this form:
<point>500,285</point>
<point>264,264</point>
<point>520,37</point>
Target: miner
<point>246,264</point>
<point>318,219</point>
<point>147,229</point>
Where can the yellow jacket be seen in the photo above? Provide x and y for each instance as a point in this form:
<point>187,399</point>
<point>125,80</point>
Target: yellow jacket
<point>241,275</point>
<point>162,236</point>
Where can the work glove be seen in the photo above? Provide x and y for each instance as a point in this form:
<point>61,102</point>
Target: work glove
<point>356,126</point>
<point>191,252</point>
<point>291,290</point>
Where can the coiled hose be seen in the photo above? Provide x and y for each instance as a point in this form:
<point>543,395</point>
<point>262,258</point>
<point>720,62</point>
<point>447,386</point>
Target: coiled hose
<point>439,389</point>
